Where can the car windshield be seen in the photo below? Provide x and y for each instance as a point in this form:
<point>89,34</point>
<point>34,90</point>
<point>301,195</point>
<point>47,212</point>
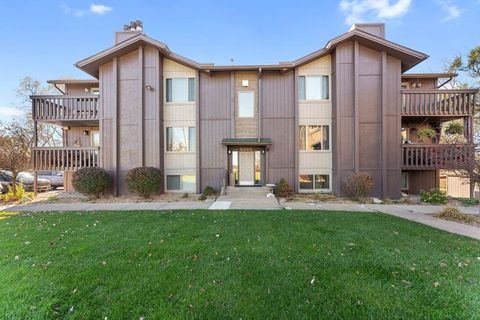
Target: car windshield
<point>24,175</point>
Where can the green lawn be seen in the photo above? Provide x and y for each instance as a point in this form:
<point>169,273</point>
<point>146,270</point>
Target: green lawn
<point>234,265</point>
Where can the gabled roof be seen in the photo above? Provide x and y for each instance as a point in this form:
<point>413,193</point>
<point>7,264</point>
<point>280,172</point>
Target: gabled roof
<point>92,64</point>
<point>409,57</point>
<point>429,75</point>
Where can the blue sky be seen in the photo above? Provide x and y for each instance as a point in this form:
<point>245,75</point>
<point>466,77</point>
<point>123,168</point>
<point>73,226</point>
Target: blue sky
<point>43,39</point>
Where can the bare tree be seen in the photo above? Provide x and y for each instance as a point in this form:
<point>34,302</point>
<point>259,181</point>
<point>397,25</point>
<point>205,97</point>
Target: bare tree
<point>15,152</point>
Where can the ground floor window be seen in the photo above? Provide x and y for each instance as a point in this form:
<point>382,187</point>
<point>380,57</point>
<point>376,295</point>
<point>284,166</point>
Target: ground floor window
<point>314,182</point>
<point>185,183</point>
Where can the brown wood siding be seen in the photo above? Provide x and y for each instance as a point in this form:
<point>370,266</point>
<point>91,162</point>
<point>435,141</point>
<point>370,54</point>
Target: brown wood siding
<point>343,120</point>
<point>153,111</point>
<point>392,124</point>
<point>77,133</point>
<point>107,106</point>
<point>278,123</point>
<point>79,89</point>
<point>366,118</point>
<point>215,124</point>
<point>246,127</point>
<point>422,180</point>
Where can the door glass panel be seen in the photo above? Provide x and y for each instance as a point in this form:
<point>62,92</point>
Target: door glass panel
<point>258,167</point>
<point>235,165</point>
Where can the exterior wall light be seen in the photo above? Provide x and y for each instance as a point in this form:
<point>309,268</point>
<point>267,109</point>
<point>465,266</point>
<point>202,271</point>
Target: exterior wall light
<point>86,133</point>
<point>149,87</point>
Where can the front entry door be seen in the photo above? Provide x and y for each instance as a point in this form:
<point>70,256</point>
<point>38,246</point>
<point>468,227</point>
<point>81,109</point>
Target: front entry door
<point>246,168</point>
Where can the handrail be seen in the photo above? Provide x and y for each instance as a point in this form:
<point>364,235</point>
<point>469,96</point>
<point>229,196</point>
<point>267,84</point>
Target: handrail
<point>65,158</point>
<point>439,102</point>
<point>65,107</point>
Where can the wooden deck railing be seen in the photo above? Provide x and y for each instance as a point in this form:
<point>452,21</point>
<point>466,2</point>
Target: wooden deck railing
<point>436,156</point>
<point>438,102</point>
<point>57,107</point>
<point>69,158</point>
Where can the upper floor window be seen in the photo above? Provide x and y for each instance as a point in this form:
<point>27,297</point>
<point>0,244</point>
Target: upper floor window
<point>314,88</point>
<point>180,89</point>
<point>246,104</point>
<point>181,139</point>
<point>314,138</point>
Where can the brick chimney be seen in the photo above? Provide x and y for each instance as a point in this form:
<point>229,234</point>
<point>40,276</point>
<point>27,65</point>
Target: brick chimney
<point>377,29</point>
<point>129,30</point>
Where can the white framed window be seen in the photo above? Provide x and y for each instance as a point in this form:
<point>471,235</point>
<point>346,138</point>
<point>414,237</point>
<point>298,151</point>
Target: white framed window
<point>246,104</point>
<point>95,138</point>
<point>314,87</point>
<point>314,138</point>
<point>314,182</point>
<point>180,89</point>
<point>95,91</point>
<point>186,183</point>
<point>181,139</point>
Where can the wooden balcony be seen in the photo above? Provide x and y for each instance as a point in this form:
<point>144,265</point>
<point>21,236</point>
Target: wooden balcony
<point>436,156</point>
<point>445,103</point>
<point>69,158</point>
<point>58,108</point>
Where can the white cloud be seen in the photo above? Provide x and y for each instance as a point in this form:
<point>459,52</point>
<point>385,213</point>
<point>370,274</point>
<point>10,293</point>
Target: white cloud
<point>69,10</point>
<point>373,10</point>
<point>8,112</point>
<point>452,11</point>
<point>100,8</point>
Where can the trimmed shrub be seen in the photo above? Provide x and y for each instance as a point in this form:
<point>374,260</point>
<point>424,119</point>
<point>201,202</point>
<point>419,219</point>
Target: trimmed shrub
<point>434,196</point>
<point>358,185</point>
<point>208,191</point>
<point>283,189</point>
<point>468,201</point>
<point>91,182</point>
<point>144,181</point>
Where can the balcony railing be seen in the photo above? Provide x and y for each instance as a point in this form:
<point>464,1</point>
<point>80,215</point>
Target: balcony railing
<point>438,102</point>
<point>437,156</point>
<point>69,158</point>
<point>61,108</point>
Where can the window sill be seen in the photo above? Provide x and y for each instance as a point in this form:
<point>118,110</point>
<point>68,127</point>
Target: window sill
<point>315,151</point>
<point>314,190</point>
<point>179,103</point>
<point>315,101</point>
<point>180,152</point>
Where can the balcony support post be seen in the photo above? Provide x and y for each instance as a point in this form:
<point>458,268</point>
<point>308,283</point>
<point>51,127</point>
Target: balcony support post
<point>35,144</point>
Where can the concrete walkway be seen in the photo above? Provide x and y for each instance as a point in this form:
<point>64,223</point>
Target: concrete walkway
<point>118,206</point>
<point>253,198</point>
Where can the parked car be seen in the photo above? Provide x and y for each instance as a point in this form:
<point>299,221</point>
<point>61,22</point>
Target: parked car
<point>26,179</point>
<point>55,178</point>
<point>1,189</point>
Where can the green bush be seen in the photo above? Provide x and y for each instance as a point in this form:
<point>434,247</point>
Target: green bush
<point>468,201</point>
<point>208,191</point>
<point>358,185</point>
<point>434,196</point>
<point>91,182</point>
<point>283,189</point>
<point>144,181</point>
<point>202,197</point>
<point>454,128</point>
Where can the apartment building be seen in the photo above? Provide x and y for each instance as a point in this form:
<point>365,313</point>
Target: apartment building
<point>347,108</point>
